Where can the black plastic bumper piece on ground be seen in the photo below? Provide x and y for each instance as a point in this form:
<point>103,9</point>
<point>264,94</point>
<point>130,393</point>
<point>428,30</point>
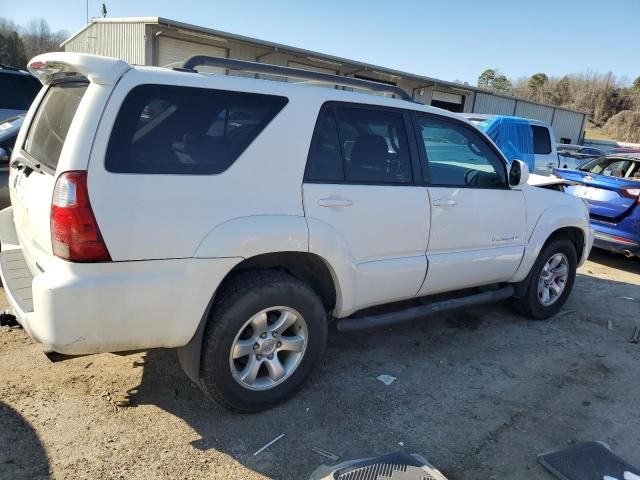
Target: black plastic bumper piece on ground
<point>586,461</point>
<point>413,313</point>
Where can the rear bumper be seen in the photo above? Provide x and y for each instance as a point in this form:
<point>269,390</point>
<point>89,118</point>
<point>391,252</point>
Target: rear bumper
<point>616,243</point>
<point>76,308</point>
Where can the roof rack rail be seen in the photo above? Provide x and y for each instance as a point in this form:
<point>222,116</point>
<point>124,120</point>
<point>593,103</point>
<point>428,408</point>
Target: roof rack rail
<point>269,69</point>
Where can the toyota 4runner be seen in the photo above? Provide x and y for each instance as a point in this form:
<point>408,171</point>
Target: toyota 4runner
<point>235,218</point>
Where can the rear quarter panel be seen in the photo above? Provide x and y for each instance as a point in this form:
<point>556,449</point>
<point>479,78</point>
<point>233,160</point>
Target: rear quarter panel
<point>168,216</point>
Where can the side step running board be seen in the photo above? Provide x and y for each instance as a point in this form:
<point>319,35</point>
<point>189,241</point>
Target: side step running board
<point>413,313</point>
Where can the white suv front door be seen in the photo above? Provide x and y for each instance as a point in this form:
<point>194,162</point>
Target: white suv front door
<point>365,212</point>
<point>478,224</point>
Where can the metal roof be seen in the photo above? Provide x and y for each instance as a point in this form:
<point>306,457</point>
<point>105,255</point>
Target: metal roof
<point>287,48</point>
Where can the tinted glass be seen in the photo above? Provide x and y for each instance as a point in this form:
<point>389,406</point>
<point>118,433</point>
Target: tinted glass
<point>374,146</point>
<point>179,130</point>
<point>325,158</point>
<point>51,122</point>
<point>541,140</point>
<point>459,156</point>
<point>17,91</point>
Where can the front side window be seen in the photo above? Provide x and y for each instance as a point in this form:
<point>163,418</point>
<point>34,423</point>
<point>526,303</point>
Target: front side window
<point>458,156</point>
<point>164,129</point>
<point>541,140</point>
<point>359,145</point>
<point>51,122</point>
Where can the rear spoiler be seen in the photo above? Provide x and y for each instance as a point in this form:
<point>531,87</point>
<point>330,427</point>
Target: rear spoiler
<point>96,69</point>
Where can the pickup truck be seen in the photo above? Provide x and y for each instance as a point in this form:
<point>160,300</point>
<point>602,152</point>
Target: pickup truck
<point>542,143</point>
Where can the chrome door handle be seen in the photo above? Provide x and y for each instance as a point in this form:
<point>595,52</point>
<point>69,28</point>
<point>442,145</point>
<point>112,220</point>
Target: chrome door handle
<point>444,202</point>
<point>334,202</point>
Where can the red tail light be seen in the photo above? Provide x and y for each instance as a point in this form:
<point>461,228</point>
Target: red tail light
<point>631,193</point>
<point>75,235</point>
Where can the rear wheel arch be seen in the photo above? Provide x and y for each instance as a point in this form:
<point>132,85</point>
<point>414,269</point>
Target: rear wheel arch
<point>306,267</point>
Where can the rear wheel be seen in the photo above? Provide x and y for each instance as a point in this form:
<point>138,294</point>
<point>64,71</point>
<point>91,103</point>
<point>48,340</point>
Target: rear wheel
<point>266,332</point>
<point>550,282</point>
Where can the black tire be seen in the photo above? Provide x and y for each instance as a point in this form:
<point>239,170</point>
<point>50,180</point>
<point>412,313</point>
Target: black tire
<point>241,297</point>
<point>530,304</point>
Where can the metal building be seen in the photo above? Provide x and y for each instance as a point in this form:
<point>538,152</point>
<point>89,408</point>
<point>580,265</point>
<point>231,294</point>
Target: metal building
<point>159,41</point>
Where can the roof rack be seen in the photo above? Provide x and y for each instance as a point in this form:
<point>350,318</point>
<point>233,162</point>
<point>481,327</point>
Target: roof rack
<point>265,68</point>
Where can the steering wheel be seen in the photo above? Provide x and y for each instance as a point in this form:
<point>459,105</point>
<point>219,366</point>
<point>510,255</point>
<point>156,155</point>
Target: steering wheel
<point>471,177</point>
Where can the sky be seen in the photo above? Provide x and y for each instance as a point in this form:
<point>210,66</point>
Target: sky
<point>450,40</point>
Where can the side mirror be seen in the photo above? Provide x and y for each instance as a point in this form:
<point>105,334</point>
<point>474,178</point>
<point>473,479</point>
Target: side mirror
<point>518,173</point>
<point>4,156</point>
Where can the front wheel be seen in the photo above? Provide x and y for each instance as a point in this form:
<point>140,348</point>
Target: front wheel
<point>266,332</point>
<point>550,281</point>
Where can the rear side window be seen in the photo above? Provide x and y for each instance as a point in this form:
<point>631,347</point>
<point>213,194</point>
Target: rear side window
<point>325,157</point>
<point>51,122</point>
<point>360,145</point>
<point>181,130</point>
<point>541,140</point>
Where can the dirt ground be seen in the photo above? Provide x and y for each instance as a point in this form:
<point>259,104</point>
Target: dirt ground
<point>479,393</point>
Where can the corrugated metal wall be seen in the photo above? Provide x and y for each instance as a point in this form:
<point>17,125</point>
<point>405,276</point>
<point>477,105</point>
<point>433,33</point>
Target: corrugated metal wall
<point>568,125</point>
<point>533,110</point>
<point>120,40</point>
<point>491,104</point>
<point>138,43</point>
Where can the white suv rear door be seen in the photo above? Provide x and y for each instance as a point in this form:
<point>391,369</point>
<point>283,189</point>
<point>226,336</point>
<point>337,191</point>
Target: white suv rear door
<point>33,166</point>
<point>367,212</point>
<point>477,222</point>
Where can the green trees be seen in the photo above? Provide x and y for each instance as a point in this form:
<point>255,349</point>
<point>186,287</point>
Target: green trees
<point>609,103</point>
<point>18,45</point>
<point>12,51</point>
<point>493,80</point>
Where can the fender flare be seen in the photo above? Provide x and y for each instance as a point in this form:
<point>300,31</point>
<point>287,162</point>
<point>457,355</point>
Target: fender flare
<point>550,220</point>
<point>237,238</point>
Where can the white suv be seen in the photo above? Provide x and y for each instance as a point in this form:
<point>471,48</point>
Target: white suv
<point>234,218</point>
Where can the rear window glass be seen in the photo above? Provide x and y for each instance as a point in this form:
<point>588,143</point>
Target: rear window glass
<point>52,120</point>
<point>181,130</point>
<point>17,91</point>
<point>541,140</point>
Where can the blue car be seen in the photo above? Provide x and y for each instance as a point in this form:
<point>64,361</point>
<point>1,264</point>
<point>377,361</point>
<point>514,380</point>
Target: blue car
<point>611,187</point>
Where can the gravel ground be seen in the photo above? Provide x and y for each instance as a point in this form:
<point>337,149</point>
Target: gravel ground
<point>479,393</point>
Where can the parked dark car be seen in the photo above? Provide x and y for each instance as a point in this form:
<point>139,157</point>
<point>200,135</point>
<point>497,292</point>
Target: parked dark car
<point>611,187</point>
<point>9,129</point>
<point>17,90</point>
<point>579,153</point>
